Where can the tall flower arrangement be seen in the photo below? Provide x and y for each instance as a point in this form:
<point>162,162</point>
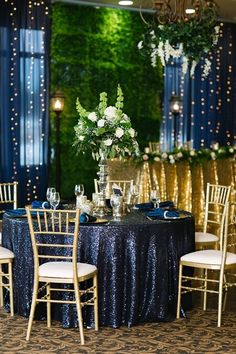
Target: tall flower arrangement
<point>190,39</point>
<point>106,131</point>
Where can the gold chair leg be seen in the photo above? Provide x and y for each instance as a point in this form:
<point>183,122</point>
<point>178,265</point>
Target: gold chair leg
<point>179,291</point>
<point>32,310</point>
<point>11,288</point>
<point>220,295</point>
<point>1,287</point>
<point>95,284</point>
<point>205,290</point>
<point>49,320</point>
<point>79,314</point>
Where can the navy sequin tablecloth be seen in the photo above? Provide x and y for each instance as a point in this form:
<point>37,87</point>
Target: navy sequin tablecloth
<point>137,261</point>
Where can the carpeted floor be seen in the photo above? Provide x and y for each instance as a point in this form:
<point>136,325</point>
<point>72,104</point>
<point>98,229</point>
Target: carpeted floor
<point>195,334</point>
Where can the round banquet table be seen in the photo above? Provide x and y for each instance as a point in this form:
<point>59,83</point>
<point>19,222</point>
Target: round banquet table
<point>137,261</point>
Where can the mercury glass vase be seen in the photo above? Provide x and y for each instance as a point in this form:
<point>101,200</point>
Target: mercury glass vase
<point>102,182</point>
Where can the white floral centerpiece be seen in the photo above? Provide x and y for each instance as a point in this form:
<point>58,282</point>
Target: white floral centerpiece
<point>106,131</point>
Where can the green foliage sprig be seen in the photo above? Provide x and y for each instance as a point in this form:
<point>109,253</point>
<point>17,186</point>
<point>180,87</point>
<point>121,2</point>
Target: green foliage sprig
<point>190,39</point>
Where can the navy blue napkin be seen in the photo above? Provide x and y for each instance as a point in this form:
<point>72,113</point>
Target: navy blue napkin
<point>161,213</point>
<point>16,212</point>
<point>36,204</point>
<point>87,218</point>
<point>150,205</point>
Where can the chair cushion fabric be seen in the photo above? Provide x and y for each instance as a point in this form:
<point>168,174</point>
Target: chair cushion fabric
<point>5,253</point>
<point>209,257</point>
<point>201,237</point>
<point>64,269</point>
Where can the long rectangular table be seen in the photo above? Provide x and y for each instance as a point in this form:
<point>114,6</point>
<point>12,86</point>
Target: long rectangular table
<point>137,261</point>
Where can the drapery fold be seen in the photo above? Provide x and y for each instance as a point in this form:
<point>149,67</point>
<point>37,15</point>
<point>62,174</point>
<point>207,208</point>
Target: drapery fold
<point>24,96</point>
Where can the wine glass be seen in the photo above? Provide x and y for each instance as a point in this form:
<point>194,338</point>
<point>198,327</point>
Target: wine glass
<point>134,192</point>
<point>50,190</point>
<point>79,190</point>
<point>55,200</point>
<point>155,198</point>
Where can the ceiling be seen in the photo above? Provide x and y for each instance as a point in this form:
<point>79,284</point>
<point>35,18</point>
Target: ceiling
<point>227,8</point>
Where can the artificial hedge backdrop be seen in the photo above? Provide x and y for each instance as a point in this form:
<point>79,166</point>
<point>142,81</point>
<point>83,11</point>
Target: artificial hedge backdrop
<point>92,50</point>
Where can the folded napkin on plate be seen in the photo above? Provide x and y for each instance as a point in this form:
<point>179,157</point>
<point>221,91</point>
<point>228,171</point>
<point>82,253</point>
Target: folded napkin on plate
<point>16,212</point>
<point>87,218</point>
<point>150,205</point>
<point>161,213</point>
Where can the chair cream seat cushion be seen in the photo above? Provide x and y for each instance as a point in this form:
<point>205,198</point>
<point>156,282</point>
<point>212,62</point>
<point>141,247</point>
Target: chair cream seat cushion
<point>64,269</point>
<point>5,253</point>
<point>213,257</point>
<point>201,237</point>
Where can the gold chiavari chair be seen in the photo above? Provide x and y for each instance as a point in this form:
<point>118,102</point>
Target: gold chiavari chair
<point>217,198</point>
<point>8,198</point>
<point>6,277</point>
<point>58,230</point>
<point>154,146</point>
<point>221,260</point>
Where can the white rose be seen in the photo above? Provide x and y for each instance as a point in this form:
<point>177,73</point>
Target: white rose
<point>131,132</point>
<point>81,137</point>
<point>108,142</point>
<point>119,132</point>
<point>172,161</point>
<point>92,116</point>
<point>157,159</point>
<point>110,112</point>
<point>192,152</point>
<point>231,150</point>
<point>101,123</point>
<point>180,154</point>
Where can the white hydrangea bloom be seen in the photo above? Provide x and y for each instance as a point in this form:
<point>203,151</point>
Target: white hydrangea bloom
<point>110,112</point>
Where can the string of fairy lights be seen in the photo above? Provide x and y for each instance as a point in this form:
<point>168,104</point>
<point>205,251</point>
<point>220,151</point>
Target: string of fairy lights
<point>208,121</point>
<point>27,83</point>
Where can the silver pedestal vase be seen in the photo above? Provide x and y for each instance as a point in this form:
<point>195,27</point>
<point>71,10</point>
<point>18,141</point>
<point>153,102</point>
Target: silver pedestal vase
<point>102,182</point>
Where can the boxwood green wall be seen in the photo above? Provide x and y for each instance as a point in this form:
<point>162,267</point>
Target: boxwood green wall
<point>92,50</point>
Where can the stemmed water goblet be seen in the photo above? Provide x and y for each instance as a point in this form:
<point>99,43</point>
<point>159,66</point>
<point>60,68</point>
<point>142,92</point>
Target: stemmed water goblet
<point>49,192</point>
<point>116,203</point>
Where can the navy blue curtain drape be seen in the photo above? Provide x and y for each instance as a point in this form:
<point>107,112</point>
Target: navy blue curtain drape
<point>24,96</point>
<point>209,104</point>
